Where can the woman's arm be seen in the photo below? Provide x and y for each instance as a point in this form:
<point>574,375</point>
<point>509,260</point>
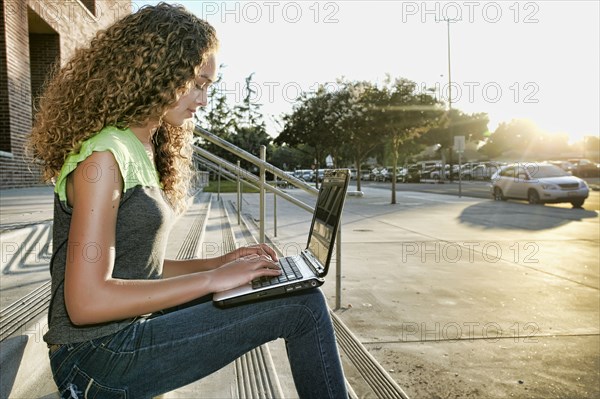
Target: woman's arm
<point>92,295</point>
<point>173,268</point>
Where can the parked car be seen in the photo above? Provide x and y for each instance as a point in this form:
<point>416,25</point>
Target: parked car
<point>374,175</point>
<point>304,174</point>
<point>318,176</point>
<point>585,168</point>
<point>538,183</point>
<point>466,172</point>
<point>380,175</point>
<point>564,165</point>
<point>435,172</point>
<point>484,171</point>
<point>432,172</point>
<point>411,174</point>
<point>352,174</point>
<point>385,174</point>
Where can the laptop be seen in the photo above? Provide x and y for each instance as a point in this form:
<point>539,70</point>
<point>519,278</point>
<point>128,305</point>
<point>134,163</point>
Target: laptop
<point>308,269</point>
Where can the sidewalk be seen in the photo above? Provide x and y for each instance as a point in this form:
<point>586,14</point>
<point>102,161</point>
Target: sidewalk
<point>25,229</point>
<point>20,206</point>
<point>455,297</point>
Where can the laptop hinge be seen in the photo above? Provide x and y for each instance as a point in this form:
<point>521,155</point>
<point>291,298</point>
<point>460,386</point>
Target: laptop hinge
<point>313,263</point>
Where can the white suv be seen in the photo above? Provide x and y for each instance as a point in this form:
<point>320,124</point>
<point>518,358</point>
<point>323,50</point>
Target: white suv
<point>538,183</point>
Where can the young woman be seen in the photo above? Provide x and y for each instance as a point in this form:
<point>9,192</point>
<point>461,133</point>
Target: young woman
<point>113,132</point>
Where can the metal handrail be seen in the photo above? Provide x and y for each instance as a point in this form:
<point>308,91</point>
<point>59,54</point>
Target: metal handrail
<point>249,178</point>
<point>226,145</point>
<point>265,167</point>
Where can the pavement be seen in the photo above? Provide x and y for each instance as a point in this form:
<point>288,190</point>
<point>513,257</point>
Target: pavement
<point>465,297</point>
<point>455,297</point>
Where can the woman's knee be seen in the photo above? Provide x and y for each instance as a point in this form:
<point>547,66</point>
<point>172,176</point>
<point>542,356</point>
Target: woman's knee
<point>311,309</point>
<point>315,300</point>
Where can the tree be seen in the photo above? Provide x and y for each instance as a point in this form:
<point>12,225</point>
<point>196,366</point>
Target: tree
<point>290,158</point>
<point>518,134</point>
<point>591,145</point>
<point>217,119</point>
<point>456,123</point>
<point>250,131</point>
<point>250,138</point>
<point>405,114</point>
<point>311,123</point>
<point>248,112</point>
<point>356,116</point>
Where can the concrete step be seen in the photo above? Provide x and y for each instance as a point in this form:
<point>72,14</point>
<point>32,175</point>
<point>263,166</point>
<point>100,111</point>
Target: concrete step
<point>277,348</point>
<point>24,363</point>
<point>26,249</point>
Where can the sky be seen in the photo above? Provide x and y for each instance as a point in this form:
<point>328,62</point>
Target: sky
<point>511,59</point>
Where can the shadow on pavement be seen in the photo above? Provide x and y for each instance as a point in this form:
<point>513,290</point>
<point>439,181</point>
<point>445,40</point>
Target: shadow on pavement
<point>11,354</point>
<point>509,215</point>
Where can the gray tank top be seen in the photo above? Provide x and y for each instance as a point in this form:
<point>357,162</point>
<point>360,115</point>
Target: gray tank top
<point>143,224</point>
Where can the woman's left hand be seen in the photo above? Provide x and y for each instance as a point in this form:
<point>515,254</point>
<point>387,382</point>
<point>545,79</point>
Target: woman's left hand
<point>259,249</point>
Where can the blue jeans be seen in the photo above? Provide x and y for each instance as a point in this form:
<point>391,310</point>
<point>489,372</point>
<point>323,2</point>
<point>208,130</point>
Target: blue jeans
<point>167,351</point>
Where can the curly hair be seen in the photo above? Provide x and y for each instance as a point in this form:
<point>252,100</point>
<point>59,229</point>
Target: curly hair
<point>131,72</point>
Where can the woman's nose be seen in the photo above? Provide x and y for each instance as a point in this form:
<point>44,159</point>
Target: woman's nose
<point>201,99</point>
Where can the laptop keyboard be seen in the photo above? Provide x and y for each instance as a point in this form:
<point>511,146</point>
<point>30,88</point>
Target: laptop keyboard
<point>289,272</point>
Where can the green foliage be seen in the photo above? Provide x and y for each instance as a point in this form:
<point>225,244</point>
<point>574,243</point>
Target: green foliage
<point>292,158</point>
<point>226,186</point>
<point>358,119</point>
<point>243,125</point>
<point>247,114</point>
<point>457,123</point>
<point>312,123</point>
<point>523,139</point>
<point>217,118</point>
<point>405,115</point>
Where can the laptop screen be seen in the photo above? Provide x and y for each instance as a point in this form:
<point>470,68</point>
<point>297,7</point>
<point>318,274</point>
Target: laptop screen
<point>330,203</point>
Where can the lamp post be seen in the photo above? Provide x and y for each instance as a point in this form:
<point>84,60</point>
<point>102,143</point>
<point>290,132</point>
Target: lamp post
<point>448,20</point>
<point>451,149</point>
<point>449,69</point>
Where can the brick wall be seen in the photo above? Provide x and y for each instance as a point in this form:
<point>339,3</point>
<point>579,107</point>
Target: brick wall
<point>33,34</point>
<point>44,52</point>
<point>4,116</point>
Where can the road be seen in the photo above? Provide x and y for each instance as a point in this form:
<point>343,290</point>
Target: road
<point>474,189</point>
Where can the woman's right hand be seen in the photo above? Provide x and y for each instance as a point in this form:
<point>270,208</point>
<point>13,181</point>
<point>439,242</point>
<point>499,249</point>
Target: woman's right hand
<point>242,271</point>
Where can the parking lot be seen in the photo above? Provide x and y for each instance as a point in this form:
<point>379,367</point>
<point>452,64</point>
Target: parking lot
<point>475,189</point>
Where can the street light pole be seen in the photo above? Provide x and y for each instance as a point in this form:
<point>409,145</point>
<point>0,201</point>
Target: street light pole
<point>449,70</point>
<point>451,149</point>
<point>443,173</point>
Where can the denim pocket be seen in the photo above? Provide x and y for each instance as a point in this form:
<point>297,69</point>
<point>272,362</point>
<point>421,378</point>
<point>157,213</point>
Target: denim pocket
<point>78,385</point>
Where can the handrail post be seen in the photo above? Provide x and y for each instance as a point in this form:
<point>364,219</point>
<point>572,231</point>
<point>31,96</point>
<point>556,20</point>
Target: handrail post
<point>219,184</point>
<point>338,267</point>
<point>262,204</point>
<point>239,195</point>
<point>275,211</point>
